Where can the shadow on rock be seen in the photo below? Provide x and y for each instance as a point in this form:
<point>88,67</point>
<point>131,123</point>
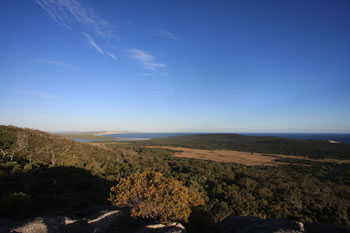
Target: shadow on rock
<point>245,224</point>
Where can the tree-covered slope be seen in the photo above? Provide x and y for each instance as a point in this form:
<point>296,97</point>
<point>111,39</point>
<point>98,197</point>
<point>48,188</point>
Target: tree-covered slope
<point>263,144</point>
<point>41,173</point>
<point>39,149</point>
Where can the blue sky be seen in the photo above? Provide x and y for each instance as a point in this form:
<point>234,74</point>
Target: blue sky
<point>176,66</point>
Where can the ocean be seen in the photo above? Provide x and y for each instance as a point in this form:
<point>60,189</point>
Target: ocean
<point>343,138</point>
<point>146,136</point>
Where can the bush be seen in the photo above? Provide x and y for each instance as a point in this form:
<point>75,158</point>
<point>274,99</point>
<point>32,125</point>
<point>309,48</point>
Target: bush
<point>151,195</point>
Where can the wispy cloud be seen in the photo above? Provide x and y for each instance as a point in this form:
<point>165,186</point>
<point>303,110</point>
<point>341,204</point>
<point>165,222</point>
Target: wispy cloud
<point>93,44</point>
<point>67,12</point>
<point>53,62</point>
<point>147,59</point>
<point>112,55</point>
<point>166,34</point>
<point>131,24</point>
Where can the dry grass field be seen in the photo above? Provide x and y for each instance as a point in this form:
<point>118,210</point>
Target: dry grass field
<point>230,156</point>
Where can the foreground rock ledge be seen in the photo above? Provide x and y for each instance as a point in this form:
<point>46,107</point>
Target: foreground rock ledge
<point>98,220</point>
<point>249,224</point>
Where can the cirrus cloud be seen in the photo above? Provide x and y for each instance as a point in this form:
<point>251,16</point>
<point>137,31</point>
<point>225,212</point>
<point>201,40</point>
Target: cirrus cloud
<point>147,59</point>
<point>67,12</point>
<point>166,34</point>
<point>53,62</point>
<point>93,44</point>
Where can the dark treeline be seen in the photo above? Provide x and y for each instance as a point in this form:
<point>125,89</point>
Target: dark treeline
<point>263,144</point>
<point>36,168</point>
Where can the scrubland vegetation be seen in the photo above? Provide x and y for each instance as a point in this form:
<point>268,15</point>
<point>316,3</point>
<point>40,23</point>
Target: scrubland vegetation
<point>42,173</point>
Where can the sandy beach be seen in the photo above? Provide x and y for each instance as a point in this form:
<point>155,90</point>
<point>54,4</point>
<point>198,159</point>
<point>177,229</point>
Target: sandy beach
<point>110,132</point>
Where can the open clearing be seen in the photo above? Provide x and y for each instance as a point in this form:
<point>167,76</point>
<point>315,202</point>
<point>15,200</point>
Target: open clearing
<point>227,156</point>
<point>230,156</point>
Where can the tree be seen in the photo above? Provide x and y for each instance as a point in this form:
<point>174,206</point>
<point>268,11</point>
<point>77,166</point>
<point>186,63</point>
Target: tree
<point>11,148</point>
<point>151,195</point>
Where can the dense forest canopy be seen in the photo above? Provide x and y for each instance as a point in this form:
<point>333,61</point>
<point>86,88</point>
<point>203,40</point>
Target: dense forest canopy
<point>263,144</point>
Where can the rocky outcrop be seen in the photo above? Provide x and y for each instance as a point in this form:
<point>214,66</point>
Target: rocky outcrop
<point>99,221</point>
<point>37,225</point>
<point>249,224</point>
<point>161,228</point>
<point>325,228</point>
<point>94,220</point>
<point>245,224</point>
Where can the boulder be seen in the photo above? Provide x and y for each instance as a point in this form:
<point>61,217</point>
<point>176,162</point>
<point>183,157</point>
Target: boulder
<point>93,220</point>
<point>38,225</point>
<point>249,224</point>
<point>99,221</point>
<point>325,228</point>
<point>173,227</point>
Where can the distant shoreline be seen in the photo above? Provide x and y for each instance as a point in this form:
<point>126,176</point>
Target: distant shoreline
<point>95,133</point>
<point>110,132</point>
<point>98,135</point>
<point>331,138</point>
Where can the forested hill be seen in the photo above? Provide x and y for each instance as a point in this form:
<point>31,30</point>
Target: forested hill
<point>35,149</point>
<point>41,173</point>
<point>263,144</point>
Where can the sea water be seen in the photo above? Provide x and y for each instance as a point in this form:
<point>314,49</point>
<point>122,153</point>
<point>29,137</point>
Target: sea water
<point>342,138</point>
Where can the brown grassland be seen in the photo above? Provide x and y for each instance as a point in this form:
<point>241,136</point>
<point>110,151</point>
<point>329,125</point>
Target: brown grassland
<point>231,156</point>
